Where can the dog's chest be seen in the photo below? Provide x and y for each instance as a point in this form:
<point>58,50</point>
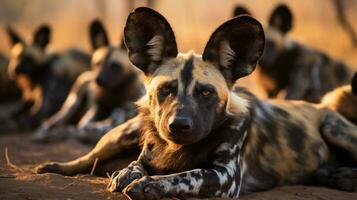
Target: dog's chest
<point>166,161</point>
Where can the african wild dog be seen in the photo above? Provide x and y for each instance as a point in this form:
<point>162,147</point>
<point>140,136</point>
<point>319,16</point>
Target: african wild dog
<point>101,98</point>
<point>343,100</point>
<point>202,136</point>
<point>44,78</point>
<point>292,70</point>
<point>8,89</point>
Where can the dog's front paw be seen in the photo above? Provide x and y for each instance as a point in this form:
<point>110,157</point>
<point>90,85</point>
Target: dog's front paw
<point>145,188</point>
<point>120,179</point>
<point>48,168</point>
<point>40,136</point>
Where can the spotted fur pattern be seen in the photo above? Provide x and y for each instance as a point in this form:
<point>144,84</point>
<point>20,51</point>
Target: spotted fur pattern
<point>8,89</point>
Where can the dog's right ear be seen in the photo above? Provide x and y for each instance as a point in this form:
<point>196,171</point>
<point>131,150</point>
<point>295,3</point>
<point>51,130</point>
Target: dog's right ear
<point>149,39</point>
<point>281,19</point>
<point>14,37</point>
<point>240,10</point>
<point>98,35</point>
<point>354,84</point>
<point>42,36</point>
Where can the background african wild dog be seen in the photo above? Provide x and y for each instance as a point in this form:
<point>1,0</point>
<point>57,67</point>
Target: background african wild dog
<point>8,89</point>
<point>44,78</point>
<point>292,69</point>
<point>101,98</point>
<point>202,136</point>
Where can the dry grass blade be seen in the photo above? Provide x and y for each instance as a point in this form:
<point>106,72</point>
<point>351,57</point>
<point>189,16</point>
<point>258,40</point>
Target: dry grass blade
<point>9,162</point>
<point>94,166</point>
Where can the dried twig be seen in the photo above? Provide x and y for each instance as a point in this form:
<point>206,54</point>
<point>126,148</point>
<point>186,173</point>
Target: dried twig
<point>94,166</point>
<point>9,162</point>
<point>68,185</point>
<point>7,176</point>
<point>108,175</point>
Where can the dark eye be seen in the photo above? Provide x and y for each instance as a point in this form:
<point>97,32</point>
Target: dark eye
<point>165,89</point>
<point>205,93</point>
<point>115,66</point>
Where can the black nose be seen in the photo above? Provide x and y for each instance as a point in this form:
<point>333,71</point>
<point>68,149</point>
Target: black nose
<point>17,71</point>
<point>180,125</point>
<point>100,81</point>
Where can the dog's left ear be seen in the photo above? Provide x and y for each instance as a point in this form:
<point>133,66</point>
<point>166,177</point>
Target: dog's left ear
<point>42,36</point>
<point>235,47</point>
<point>354,84</point>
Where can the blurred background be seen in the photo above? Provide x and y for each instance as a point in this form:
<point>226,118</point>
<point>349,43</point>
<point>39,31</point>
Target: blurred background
<point>316,23</point>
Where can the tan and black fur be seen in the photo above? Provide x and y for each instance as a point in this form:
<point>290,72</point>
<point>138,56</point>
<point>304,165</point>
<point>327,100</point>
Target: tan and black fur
<point>44,78</point>
<point>291,70</point>
<point>201,135</point>
<point>8,89</point>
<point>101,98</point>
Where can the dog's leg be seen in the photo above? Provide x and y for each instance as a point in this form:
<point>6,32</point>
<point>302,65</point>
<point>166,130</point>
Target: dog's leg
<point>342,178</point>
<point>339,132</point>
<point>68,110</point>
<point>92,132</point>
<point>223,180</point>
<point>123,137</point>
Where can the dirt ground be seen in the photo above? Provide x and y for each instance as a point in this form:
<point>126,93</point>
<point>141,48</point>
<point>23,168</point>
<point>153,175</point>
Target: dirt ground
<point>20,181</point>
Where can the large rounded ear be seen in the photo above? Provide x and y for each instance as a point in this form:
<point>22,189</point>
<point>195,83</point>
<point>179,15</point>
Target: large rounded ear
<point>98,35</point>
<point>42,36</point>
<point>354,84</point>
<point>235,47</point>
<point>149,39</point>
<point>240,10</point>
<point>14,36</point>
<point>281,19</point>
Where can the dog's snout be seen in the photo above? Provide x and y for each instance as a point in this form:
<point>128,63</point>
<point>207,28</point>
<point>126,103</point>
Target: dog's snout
<point>180,125</point>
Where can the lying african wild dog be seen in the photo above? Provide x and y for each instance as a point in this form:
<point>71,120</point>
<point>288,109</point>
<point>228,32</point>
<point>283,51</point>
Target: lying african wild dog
<point>44,78</point>
<point>101,98</point>
<point>201,137</point>
<point>292,69</point>
<point>8,89</point>
<point>343,100</point>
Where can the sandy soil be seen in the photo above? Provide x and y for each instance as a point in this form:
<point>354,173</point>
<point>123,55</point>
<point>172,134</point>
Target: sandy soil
<point>20,181</point>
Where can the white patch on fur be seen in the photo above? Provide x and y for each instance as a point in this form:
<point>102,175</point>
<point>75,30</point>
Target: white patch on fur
<point>238,126</point>
<point>226,147</point>
<point>226,54</point>
<point>222,177</point>
<point>232,189</point>
<point>265,106</point>
<point>241,172</point>
<point>156,47</point>
<point>236,105</point>
<point>289,43</point>
<point>231,167</point>
<point>196,183</point>
<point>218,193</point>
